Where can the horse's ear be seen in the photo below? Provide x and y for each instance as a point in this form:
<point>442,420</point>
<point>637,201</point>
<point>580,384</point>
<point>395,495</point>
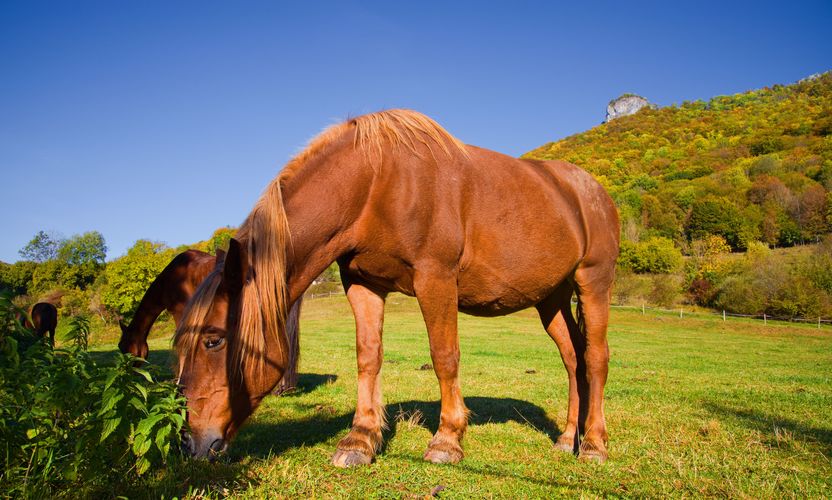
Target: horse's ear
<point>235,267</point>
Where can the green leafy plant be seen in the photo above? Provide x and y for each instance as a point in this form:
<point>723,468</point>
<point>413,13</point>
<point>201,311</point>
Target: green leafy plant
<point>68,423</point>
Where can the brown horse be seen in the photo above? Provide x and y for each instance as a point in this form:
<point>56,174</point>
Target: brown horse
<point>44,319</point>
<point>404,206</point>
<point>170,292</point>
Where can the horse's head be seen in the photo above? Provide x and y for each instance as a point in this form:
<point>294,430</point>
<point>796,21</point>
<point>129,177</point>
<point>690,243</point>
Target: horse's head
<point>132,341</point>
<point>227,363</point>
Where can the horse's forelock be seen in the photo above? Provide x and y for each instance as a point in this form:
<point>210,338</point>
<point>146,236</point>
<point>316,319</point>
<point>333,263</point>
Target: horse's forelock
<point>186,338</point>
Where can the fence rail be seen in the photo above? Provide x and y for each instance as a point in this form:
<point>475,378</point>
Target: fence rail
<point>765,318</point>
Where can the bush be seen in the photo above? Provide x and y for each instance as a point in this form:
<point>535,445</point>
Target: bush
<point>665,292</point>
<point>128,277</point>
<point>626,286</point>
<point>764,283</point>
<point>70,424</point>
<point>655,255</point>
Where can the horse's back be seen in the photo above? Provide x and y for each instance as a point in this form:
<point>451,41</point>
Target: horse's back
<point>518,228</point>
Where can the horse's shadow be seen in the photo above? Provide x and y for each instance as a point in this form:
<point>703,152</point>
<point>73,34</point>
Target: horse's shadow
<point>262,439</point>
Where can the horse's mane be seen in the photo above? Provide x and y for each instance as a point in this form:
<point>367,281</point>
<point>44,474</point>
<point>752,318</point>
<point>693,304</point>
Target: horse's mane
<point>392,128</point>
<point>265,233</point>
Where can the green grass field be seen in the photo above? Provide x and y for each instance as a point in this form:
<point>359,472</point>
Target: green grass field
<point>694,406</point>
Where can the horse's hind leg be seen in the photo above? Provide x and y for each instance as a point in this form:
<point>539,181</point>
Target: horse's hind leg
<point>556,315</point>
<point>360,445</point>
<point>593,287</point>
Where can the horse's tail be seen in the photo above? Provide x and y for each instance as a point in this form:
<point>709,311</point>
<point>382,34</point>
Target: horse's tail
<point>290,376</point>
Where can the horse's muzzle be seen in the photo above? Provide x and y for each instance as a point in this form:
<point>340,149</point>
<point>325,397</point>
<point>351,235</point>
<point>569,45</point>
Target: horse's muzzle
<point>208,446</point>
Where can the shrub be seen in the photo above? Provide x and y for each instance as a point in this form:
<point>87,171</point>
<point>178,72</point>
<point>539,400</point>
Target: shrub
<point>665,292</point>
<point>70,424</point>
<point>129,276</point>
<point>625,287</point>
<point>655,255</point>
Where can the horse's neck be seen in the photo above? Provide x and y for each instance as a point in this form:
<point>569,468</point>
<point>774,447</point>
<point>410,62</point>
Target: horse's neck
<point>151,306</point>
<point>322,203</point>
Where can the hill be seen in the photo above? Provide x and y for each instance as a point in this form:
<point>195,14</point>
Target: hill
<point>755,166</point>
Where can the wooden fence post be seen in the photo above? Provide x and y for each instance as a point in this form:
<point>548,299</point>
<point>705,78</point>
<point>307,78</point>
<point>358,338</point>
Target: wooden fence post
<point>765,321</point>
<point>723,315</point>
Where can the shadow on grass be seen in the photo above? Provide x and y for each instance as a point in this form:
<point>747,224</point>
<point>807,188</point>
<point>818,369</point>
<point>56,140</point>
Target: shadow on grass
<point>308,382</point>
<point>261,439</point>
<point>767,425</point>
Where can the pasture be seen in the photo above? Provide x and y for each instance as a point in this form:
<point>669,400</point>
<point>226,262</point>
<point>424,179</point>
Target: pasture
<point>694,406</point>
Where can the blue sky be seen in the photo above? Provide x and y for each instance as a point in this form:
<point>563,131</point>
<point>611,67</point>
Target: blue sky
<point>165,120</point>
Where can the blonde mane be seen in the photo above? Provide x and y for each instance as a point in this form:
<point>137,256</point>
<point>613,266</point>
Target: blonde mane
<point>265,237</point>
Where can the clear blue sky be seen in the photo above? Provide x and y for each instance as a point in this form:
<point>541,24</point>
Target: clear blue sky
<point>165,120</point>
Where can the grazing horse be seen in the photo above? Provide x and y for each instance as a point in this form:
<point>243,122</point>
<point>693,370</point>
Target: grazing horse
<point>44,318</point>
<point>403,206</point>
<point>170,292</point>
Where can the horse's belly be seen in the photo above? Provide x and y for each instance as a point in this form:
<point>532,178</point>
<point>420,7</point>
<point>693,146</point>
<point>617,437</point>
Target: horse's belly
<point>492,292</point>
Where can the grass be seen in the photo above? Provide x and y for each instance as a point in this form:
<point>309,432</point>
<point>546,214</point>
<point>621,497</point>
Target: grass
<point>694,406</point>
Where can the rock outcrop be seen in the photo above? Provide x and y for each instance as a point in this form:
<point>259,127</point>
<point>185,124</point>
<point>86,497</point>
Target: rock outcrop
<point>625,105</point>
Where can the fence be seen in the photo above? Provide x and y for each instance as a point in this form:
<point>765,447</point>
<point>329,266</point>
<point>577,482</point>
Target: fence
<point>765,318</point>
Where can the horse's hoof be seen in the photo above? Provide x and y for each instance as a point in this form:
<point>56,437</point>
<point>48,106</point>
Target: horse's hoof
<point>592,455</point>
<point>443,456</point>
<point>566,445</point>
<point>349,458</point>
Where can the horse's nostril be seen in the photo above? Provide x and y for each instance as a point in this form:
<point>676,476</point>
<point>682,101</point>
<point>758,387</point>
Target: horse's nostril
<point>217,446</point>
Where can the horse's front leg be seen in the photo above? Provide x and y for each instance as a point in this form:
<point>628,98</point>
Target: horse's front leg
<point>438,301</point>
<point>360,445</point>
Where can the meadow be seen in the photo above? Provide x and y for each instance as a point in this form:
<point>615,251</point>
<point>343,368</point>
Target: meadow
<point>695,407</point>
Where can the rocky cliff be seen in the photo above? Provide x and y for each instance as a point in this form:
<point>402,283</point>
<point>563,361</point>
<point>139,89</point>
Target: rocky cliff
<point>627,104</point>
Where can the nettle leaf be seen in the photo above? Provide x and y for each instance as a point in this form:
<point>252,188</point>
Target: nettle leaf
<point>110,379</point>
<point>147,424</point>
<point>137,404</point>
<point>141,445</point>
<point>143,373</point>
<point>110,425</point>
<point>142,389</point>
<point>142,465</point>
<point>162,442</point>
<point>110,398</point>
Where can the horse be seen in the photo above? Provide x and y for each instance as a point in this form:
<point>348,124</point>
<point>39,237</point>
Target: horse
<point>43,319</point>
<point>403,206</point>
<point>170,292</point>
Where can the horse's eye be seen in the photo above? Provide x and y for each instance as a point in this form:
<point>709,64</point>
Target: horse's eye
<point>214,343</point>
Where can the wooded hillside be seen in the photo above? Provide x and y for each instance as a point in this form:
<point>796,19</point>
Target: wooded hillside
<point>755,166</point>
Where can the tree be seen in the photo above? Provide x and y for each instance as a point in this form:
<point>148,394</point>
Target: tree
<point>82,259</point>
<point>44,246</point>
<point>17,277</point>
<point>87,248</point>
<point>717,216</point>
<point>219,240</point>
<point>129,276</point>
